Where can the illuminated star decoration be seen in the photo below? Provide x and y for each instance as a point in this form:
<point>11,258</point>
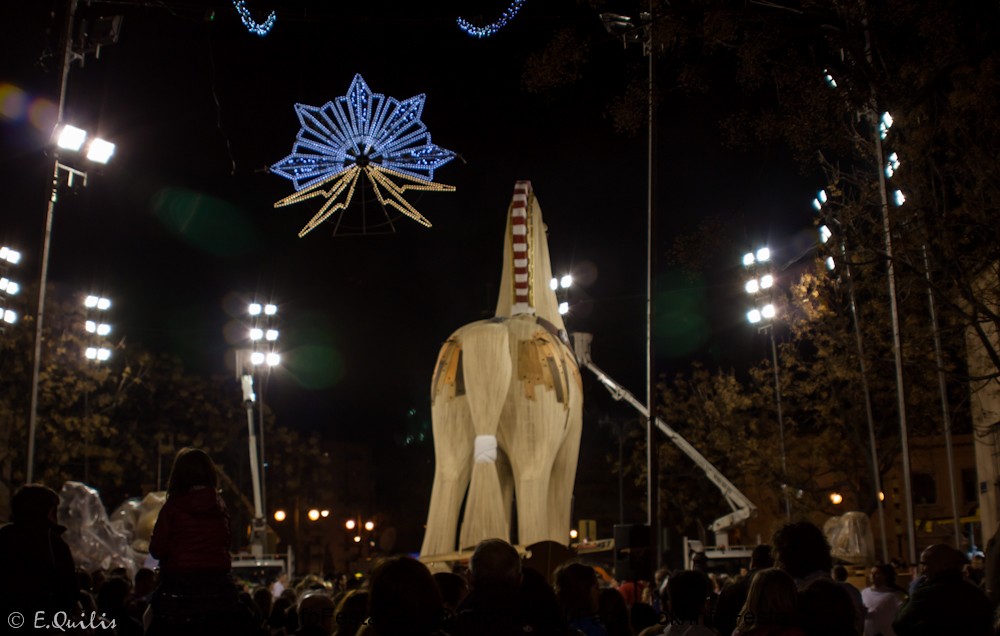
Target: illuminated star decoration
<point>491,29</point>
<point>260,29</point>
<point>362,133</point>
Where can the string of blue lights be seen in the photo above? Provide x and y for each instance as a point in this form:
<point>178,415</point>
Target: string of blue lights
<point>261,28</point>
<point>492,28</point>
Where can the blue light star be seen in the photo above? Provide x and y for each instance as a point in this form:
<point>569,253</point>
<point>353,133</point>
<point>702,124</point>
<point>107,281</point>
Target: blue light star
<point>362,132</point>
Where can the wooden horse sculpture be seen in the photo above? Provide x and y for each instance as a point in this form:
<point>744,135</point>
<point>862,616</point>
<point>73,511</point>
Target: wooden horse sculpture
<point>507,406</point>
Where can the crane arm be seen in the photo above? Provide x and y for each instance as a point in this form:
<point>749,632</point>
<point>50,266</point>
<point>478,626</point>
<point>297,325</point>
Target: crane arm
<point>742,508</point>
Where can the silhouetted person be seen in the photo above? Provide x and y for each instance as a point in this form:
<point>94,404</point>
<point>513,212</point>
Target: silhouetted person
<point>403,599</point>
<point>882,598</point>
<point>317,614</point>
<point>945,602</point>
<point>453,589</point>
<point>688,599</point>
<point>769,609</point>
<point>352,610</point>
<point>493,607</point>
<point>111,603</point>
<point>613,613</point>
<point>801,550</point>
<point>191,542</point>
<point>37,572</point>
<point>578,592</point>
<point>733,596</point>
<point>825,610</point>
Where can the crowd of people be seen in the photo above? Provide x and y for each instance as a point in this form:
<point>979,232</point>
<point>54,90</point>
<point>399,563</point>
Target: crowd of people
<point>790,589</point>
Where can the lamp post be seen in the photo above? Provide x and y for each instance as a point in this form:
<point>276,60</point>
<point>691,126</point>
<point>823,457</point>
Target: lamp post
<point>262,352</point>
<point>633,31</point>
<point>98,151</point>
<point>763,313</point>
<point>96,352</point>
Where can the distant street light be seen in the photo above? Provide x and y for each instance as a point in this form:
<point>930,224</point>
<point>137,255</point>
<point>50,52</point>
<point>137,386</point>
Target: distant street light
<point>763,314</point>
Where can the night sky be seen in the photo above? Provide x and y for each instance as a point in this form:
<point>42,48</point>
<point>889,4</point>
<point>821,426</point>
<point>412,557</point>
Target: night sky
<point>181,232</point>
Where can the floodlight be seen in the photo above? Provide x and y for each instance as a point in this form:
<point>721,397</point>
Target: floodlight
<point>254,309</point>
<point>91,353</point>
<point>103,354</point>
<point>271,335</point>
<point>563,308</point>
<point>90,302</point>
<point>350,524</point>
<point>100,151</point>
<point>324,513</point>
<point>752,286</point>
<point>763,254</point>
<point>256,334</point>
<point>748,259</point>
<point>357,539</point>
<point>766,281</point>
<point>892,165</point>
<point>256,358</point>
<point>11,256</point>
<point>832,83</point>
<point>566,281</point>
<point>90,326</point>
<point>369,525</point>
<point>270,309</point>
<point>767,311</point>
<point>103,329</point>
<point>9,316</point>
<point>753,316</point>
<point>824,233</point>
<point>313,514</point>
<point>103,304</point>
<point>817,205</point>
<point>830,263</point>
<point>554,284</point>
<point>822,196</point>
<point>898,197</point>
<point>273,359</point>
<point>71,138</point>
<point>13,288</point>
<point>279,515</point>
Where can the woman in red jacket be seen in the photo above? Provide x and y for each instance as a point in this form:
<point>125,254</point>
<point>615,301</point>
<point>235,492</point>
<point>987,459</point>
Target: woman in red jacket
<point>191,541</point>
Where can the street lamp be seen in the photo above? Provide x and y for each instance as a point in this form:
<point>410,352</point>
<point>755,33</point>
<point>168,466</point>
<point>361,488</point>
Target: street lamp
<point>763,314</point>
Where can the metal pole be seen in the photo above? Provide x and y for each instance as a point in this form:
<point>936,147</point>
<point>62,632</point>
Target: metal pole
<point>621,474</point>
<point>942,387</point>
<point>652,455</point>
<point>781,426</point>
<point>896,344</point>
<point>257,527</point>
<point>876,477</point>
<point>263,464</point>
<point>46,245</point>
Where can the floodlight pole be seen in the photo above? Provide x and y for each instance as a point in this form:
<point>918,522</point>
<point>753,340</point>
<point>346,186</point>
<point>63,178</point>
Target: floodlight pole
<point>652,450</point>
<point>781,424</point>
<point>257,527</point>
<point>47,243</point>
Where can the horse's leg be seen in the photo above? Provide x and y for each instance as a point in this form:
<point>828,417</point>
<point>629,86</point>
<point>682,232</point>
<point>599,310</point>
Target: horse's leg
<point>452,468</point>
<point>486,366</point>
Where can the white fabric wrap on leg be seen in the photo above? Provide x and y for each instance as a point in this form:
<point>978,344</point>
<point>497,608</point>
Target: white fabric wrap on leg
<point>486,449</point>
